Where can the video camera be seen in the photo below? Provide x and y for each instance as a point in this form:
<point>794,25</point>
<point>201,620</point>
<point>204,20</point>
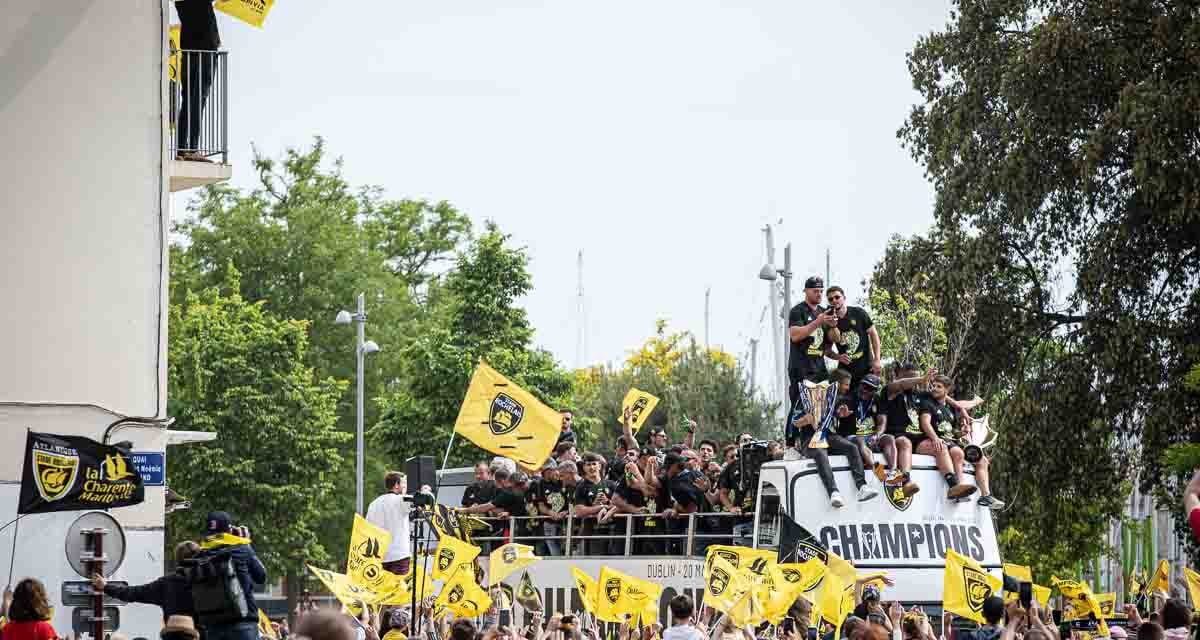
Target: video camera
<point>422,499</point>
<point>751,457</point>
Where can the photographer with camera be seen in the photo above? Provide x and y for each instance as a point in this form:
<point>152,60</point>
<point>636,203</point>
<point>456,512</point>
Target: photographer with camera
<point>222,578</point>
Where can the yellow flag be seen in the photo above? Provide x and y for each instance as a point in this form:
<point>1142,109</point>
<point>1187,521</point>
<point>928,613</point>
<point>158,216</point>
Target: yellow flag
<point>724,584</point>
<point>348,593</point>
<point>1079,601</point>
<point>503,418</point>
<point>175,60</point>
<point>364,560</point>
<point>1042,594</point>
<point>965,585</point>
<point>1108,605</point>
<point>835,596</point>
<point>1019,572</point>
<point>508,559</point>
<point>463,597</point>
<point>416,578</point>
<point>252,12</point>
<point>265,630</point>
<point>788,582</point>
<point>452,552</point>
<point>619,594</point>
<point>640,405</point>
<point>1193,585</point>
<point>756,562</point>
<point>1160,582</point>
<point>587,589</point>
<point>1022,573</point>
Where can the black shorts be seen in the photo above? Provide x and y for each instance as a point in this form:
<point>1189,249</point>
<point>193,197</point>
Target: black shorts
<point>915,438</point>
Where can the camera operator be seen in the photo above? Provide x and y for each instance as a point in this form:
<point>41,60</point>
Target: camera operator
<point>390,512</point>
<point>224,544</point>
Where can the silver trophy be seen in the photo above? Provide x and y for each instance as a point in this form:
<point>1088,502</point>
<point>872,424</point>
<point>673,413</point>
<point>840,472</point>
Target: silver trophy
<point>979,438</point>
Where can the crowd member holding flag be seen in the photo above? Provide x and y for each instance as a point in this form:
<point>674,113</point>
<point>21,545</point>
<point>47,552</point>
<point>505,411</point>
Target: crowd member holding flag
<point>198,32</point>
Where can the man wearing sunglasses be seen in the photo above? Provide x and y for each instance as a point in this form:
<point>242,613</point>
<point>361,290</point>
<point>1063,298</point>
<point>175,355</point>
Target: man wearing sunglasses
<point>857,342</point>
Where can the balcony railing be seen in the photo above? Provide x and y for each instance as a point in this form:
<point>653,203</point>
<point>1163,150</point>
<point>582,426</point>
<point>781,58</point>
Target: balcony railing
<point>200,106</point>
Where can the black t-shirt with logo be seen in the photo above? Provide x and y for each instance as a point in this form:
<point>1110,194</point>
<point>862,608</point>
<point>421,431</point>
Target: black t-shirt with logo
<point>941,417</point>
<point>636,498</point>
<point>587,493</point>
<point>683,490</point>
<point>860,419</point>
<point>552,495</point>
<point>731,478</point>
<point>533,494</point>
<point>855,341</point>
<point>806,360</point>
<point>479,493</point>
<point>901,412</point>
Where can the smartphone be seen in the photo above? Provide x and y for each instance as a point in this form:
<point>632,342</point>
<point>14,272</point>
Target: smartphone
<point>789,625</point>
<point>1025,594</point>
<point>812,633</point>
<point>877,618</point>
<point>506,617</point>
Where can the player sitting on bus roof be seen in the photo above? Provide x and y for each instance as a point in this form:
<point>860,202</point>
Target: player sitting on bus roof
<point>811,434</point>
<point>936,418</point>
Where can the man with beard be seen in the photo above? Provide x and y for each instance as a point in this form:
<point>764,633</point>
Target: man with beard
<point>937,420</point>
<point>482,489</point>
<point>857,339</point>
<point>811,434</point>
<point>864,422</point>
<point>810,326</point>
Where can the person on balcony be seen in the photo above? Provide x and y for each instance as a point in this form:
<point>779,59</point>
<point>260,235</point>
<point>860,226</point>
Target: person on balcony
<point>199,40</point>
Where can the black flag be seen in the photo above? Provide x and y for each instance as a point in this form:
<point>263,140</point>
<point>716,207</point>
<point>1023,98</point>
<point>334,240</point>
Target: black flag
<point>797,544</point>
<point>73,473</point>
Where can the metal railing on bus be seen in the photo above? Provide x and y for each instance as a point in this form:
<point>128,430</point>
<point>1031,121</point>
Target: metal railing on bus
<point>701,530</point>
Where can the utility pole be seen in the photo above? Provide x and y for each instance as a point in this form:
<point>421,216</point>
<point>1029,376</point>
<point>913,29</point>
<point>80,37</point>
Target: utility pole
<point>787,299</point>
<point>753,364</point>
<point>580,317</point>
<point>827,283</point>
<point>707,295</point>
<point>780,369</point>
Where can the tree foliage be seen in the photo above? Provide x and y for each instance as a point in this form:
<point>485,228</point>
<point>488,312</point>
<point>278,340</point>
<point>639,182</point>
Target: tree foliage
<point>1060,136</point>
<point>910,329</point>
<point>706,385</point>
<point>237,370</point>
<point>475,317</point>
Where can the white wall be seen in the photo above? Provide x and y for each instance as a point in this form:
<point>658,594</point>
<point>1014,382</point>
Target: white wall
<point>83,220</point>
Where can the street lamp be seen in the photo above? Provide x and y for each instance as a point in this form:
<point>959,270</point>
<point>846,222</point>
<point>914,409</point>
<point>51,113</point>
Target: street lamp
<point>770,274</point>
<point>362,348</point>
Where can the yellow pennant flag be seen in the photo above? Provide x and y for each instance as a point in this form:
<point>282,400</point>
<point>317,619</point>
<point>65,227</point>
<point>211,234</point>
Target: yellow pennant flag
<point>1042,594</point>
<point>364,560</point>
<point>463,597</point>
<point>640,405</point>
<point>451,553</point>
<point>619,594</point>
<point>1019,572</point>
<point>265,630</point>
<point>348,593</point>
<point>1160,582</point>
<point>587,589</point>
<point>1193,585</point>
<point>508,559</point>
<point>503,418</point>
<point>175,60</point>
<point>965,585</point>
<point>1108,605</point>
<point>252,12</point>
<point>835,596</point>
<point>788,582</point>
<point>1079,602</point>
<point>724,584</point>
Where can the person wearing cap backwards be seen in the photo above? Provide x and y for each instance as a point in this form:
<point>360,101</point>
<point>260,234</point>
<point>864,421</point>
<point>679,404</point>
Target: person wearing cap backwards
<point>222,538</point>
<point>858,345</point>
<point>810,326</point>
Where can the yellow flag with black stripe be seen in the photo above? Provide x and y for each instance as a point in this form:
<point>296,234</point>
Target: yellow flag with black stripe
<point>587,589</point>
<point>835,597</point>
<point>175,60</point>
<point>640,405</point>
<point>965,586</point>
<point>352,595</point>
<point>1160,582</point>
<point>1079,602</point>
<point>1108,605</point>
<point>756,563</point>
<point>252,12</point>
<point>450,554</point>
<point>416,579</point>
<point>788,582</point>
<point>507,420</point>
<point>724,583</point>
<point>509,559</point>
<point>463,597</point>
<point>364,559</point>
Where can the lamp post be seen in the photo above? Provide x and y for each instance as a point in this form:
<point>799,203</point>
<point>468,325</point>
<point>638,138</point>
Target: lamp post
<point>770,274</point>
<point>362,348</point>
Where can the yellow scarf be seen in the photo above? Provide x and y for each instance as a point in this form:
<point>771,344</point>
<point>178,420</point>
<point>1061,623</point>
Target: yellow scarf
<point>222,540</point>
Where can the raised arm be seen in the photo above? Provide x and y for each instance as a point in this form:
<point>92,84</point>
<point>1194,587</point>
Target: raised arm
<point>895,387</point>
<point>876,350</point>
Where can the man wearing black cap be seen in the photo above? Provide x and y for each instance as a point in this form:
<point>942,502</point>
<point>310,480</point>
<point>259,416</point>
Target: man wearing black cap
<point>864,422</point>
<point>686,498</point>
<point>808,326</point>
<point>225,543</point>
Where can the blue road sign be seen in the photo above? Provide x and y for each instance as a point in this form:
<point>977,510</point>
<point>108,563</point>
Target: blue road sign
<point>152,465</point>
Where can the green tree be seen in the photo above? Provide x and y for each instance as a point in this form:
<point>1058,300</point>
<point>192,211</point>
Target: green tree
<point>910,329</point>
<point>473,316</point>
<point>237,370</point>
<point>706,385</point>
<point>1059,136</point>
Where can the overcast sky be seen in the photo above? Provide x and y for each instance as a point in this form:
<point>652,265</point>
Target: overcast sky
<point>656,137</point>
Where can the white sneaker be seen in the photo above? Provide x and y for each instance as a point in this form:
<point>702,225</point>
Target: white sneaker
<point>791,454</point>
<point>865,493</point>
<point>836,501</point>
